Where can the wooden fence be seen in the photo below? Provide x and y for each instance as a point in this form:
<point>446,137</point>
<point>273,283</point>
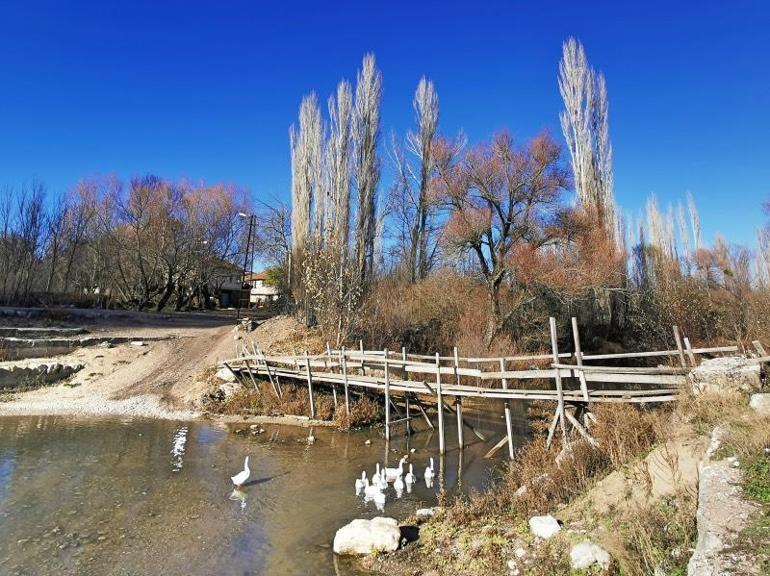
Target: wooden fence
<point>413,381</point>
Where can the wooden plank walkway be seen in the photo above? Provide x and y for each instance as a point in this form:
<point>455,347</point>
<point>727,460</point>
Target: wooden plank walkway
<point>444,380</point>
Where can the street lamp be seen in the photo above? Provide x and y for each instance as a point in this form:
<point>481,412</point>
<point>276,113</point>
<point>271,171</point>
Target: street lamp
<point>252,219</point>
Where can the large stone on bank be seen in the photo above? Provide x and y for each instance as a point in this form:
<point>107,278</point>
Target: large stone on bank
<point>362,537</point>
<point>760,403</point>
<point>544,526</point>
<point>730,373</point>
<point>225,374</point>
<point>587,554</point>
<point>722,514</point>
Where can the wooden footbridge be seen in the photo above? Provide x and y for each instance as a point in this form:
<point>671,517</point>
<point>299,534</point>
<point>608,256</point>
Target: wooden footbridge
<point>573,380</point>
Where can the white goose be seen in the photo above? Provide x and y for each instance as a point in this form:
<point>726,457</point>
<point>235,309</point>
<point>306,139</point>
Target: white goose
<point>398,484</point>
<point>379,501</point>
<point>371,490</point>
<point>409,479</point>
<point>361,482</point>
<point>429,474</point>
<point>240,478</point>
<point>392,473</point>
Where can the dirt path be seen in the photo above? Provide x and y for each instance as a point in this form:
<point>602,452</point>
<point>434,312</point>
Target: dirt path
<point>163,379</point>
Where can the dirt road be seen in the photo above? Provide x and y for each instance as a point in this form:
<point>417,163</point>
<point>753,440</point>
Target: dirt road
<point>160,379</point>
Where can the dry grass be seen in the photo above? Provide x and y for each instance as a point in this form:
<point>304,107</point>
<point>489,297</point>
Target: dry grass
<point>362,412</point>
<point>654,535</point>
<point>624,432</point>
<point>295,401</point>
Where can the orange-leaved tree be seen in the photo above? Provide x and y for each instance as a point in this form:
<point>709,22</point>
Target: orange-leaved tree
<point>500,197</point>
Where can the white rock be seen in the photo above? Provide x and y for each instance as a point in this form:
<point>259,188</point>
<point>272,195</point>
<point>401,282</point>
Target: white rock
<point>725,373</point>
<point>520,491</point>
<point>428,512</point>
<point>225,374</point>
<point>717,437</point>
<point>586,554</point>
<point>544,526</point>
<point>761,403</point>
<point>520,552</point>
<point>137,343</point>
<point>362,537</point>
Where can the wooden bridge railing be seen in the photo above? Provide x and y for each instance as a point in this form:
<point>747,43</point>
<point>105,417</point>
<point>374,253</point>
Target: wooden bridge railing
<point>372,371</point>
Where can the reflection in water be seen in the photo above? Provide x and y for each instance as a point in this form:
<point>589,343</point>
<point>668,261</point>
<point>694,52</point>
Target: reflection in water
<point>177,448</point>
<point>239,495</point>
<point>56,517</point>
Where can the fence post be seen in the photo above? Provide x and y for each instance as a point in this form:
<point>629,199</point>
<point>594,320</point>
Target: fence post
<point>406,394</point>
<point>440,399</point>
<point>559,417</point>
<point>458,403</point>
<point>344,363</point>
<point>690,353</point>
<point>310,385</point>
<point>579,359</point>
<point>508,425</point>
<point>678,340</point>
<point>387,398</point>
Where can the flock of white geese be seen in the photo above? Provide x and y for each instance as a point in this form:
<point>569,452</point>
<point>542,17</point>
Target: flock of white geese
<point>374,490</point>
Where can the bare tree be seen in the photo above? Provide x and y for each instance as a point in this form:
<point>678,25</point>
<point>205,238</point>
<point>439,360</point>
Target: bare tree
<point>584,122</point>
<point>413,209</point>
<point>306,144</point>
<point>338,150</point>
<point>502,199</point>
<point>366,168</point>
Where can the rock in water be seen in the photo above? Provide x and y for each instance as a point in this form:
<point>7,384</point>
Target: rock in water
<point>362,537</point>
<point>586,554</point>
<point>544,526</point>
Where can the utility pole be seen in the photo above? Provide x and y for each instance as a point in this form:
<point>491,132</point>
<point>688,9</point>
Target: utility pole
<point>246,261</point>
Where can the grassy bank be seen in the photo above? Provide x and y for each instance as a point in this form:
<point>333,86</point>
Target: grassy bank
<point>635,495</point>
<point>259,399</point>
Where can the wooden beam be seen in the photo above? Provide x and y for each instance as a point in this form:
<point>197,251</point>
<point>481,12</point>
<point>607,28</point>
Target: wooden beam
<point>344,364</point>
<point>496,447</point>
<point>579,358</point>
<point>678,340</point>
<point>440,406</point>
<point>310,386</point>
<point>560,401</point>
<point>507,411</point>
<point>387,399</point>
<point>690,353</point>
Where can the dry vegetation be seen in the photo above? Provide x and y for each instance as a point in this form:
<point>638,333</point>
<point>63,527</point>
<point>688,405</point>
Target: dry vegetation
<point>262,401</point>
<point>644,532</point>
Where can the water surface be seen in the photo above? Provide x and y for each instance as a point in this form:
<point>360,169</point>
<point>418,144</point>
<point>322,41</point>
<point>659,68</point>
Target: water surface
<point>135,497</point>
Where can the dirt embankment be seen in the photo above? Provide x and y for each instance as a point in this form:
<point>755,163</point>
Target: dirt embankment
<point>158,379</point>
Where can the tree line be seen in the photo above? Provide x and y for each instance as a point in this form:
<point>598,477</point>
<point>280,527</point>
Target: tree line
<point>145,243</point>
<point>497,215</point>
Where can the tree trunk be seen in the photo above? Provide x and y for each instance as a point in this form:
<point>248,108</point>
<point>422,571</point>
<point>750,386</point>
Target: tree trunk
<point>494,322</point>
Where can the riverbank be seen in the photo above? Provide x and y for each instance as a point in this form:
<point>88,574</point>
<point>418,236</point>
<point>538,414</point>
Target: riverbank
<point>160,372</point>
<point>678,491</point>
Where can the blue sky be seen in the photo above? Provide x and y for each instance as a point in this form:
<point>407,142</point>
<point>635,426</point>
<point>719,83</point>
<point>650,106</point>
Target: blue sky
<point>209,90</point>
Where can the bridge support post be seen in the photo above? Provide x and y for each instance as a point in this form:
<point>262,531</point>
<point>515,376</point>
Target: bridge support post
<point>440,406</point>
<point>387,399</point>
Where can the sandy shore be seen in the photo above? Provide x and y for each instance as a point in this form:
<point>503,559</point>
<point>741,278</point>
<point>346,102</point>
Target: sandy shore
<point>161,379</point>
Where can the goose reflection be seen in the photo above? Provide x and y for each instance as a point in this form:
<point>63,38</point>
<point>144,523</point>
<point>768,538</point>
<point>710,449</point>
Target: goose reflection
<point>239,495</point>
<point>178,448</point>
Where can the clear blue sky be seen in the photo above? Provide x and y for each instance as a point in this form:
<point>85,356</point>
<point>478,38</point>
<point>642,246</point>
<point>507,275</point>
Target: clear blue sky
<point>208,90</point>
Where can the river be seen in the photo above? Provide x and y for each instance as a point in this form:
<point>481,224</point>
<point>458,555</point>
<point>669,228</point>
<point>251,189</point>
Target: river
<point>134,497</point>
